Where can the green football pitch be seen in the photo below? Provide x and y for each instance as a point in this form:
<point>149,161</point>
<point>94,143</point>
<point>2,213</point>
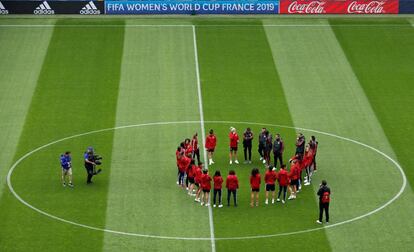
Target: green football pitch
<point>134,88</point>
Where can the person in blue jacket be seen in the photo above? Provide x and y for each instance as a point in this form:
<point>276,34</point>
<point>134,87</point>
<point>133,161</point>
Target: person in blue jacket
<point>66,164</point>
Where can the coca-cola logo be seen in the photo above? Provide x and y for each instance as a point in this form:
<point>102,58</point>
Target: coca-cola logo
<point>314,7</point>
<point>374,7</point>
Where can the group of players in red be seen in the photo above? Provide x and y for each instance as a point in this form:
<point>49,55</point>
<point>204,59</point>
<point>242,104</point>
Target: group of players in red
<point>191,175</point>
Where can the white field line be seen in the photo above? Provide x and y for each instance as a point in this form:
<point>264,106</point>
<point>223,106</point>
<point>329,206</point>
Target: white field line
<point>205,25</point>
<point>203,135</point>
<point>13,167</point>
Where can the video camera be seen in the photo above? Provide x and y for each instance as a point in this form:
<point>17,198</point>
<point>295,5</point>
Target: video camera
<point>97,159</point>
<point>93,157</point>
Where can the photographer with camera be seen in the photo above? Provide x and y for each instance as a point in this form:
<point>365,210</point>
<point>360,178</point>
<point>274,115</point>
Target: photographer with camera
<point>324,194</point>
<point>91,161</point>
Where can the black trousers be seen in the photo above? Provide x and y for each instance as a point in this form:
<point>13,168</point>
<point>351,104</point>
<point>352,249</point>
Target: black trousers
<point>266,154</point>
<point>314,162</point>
<point>261,150</point>
<point>217,191</point>
<point>322,207</point>
<point>284,188</point>
<point>196,153</point>
<point>247,149</point>
<point>90,173</point>
<point>299,154</point>
<point>278,155</point>
<point>308,172</point>
<point>229,192</point>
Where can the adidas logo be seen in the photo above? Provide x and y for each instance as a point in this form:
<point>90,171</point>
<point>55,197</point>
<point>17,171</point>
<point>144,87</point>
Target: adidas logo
<point>90,9</point>
<point>44,9</point>
<point>3,10</point>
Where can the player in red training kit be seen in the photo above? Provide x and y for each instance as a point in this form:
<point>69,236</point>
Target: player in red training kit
<point>218,182</point>
<point>210,145</point>
<point>232,184</point>
<point>307,163</point>
<point>294,178</point>
<point>183,164</point>
<point>314,147</point>
<point>301,166</point>
<point>234,141</point>
<point>191,177</point>
<point>255,181</point>
<point>283,178</point>
<point>188,148</point>
<point>270,178</point>
<point>206,186</point>
<point>194,145</point>
<point>198,176</point>
<point>189,153</point>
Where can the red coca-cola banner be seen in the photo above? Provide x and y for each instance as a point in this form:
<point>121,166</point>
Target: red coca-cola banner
<point>338,6</point>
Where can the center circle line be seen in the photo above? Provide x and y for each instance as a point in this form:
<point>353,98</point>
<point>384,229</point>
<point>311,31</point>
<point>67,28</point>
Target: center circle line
<point>12,168</point>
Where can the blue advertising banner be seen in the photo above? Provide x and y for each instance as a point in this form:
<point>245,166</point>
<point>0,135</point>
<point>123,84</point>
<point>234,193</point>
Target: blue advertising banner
<point>193,7</point>
<point>406,6</point>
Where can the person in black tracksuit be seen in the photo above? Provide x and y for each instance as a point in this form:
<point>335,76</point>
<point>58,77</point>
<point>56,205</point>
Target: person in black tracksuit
<point>278,147</point>
<point>324,194</point>
<point>262,143</point>
<point>90,163</point>
<point>300,146</point>
<point>247,145</point>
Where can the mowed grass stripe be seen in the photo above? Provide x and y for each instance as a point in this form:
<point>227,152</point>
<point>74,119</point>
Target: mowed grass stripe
<point>323,93</point>
<point>383,63</point>
<point>76,92</point>
<point>240,83</point>
<point>158,84</point>
<point>20,66</point>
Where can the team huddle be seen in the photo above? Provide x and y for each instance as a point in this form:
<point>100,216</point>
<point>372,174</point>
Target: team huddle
<point>195,178</point>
